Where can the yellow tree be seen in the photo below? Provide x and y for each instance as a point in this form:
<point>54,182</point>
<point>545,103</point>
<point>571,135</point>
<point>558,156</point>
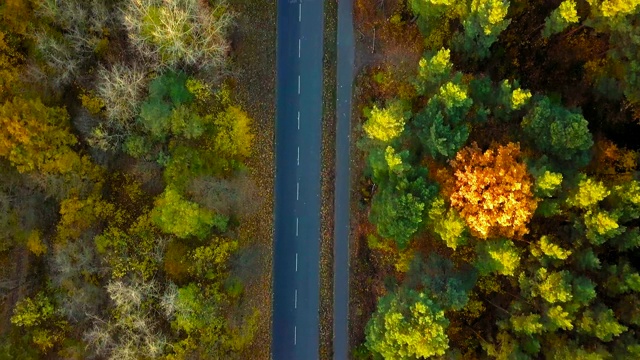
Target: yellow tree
<point>34,136</point>
<point>387,123</point>
<point>492,191</point>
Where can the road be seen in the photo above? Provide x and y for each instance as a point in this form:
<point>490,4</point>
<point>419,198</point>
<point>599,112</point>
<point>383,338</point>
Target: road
<point>296,285</point>
<point>342,181</point>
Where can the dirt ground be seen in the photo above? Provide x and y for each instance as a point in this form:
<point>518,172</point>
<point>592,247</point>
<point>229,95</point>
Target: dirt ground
<point>254,55</point>
<point>328,177</point>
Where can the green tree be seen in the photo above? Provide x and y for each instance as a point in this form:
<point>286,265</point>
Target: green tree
<point>407,325</point>
<point>398,207</point>
<point>182,218</point>
<point>441,125</point>
<point>557,131</point>
<point>626,200</point>
<point>166,92</point>
<point>397,215</point>
<point>437,276</point>
<point>599,321</point>
<point>433,70</point>
<point>484,23</point>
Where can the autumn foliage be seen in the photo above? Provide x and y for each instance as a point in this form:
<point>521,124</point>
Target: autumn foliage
<point>493,191</point>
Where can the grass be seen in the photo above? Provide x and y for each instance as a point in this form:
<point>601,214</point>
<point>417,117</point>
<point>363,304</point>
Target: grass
<point>253,69</point>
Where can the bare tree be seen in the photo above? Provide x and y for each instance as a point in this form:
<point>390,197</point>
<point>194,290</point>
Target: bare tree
<point>132,332</point>
<point>122,90</point>
<point>179,32</point>
<point>82,25</point>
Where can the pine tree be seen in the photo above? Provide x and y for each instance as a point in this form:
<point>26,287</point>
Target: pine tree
<point>557,131</point>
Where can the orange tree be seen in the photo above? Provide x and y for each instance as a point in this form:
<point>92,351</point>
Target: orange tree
<point>493,191</point>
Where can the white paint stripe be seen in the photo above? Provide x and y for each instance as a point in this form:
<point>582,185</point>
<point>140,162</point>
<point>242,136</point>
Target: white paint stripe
<point>298,120</point>
<point>298,187</point>
<point>296,226</point>
<point>298,84</point>
<point>299,12</point>
<point>295,301</point>
<point>299,46</point>
<point>295,335</point>
<point>298,155</point>
<point>296,263</point>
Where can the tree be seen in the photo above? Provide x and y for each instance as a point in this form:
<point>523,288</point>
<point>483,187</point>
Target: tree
<point>600,226</point>
<point>447,223</point>
<point>397,215</point>
<point>69,33</point>
<point>120,88</point>
<point>233,137</point>
<point>484,23</point>
<point>560,18</point>
<point>557,131</point>
<point>182,218</point>
<point>599,321</point>
<point>9,67</point>
<point>547,183</point>
<point>179,32</point>
<point>626,200</point>
<point>497,256</point>
<point>493,191</point>
<point>135,250</point>
<point>209,263</point>
<point>441,125</point>
<point>166,92</point>
<point>612,9</point>
<point>132,332</point>
<point>78,215</point>
<point>588,193</point>
<point>433,70</point>
<point>34,136</point>
<point>552,286</point>
<point>387,123</point>
<point>386,164</point>
<point>38,316</point>
<point>441,281</point>
<point>407,325</point>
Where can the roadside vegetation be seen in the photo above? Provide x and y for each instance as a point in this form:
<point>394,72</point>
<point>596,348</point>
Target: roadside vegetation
<point>127,193</point>
<point>499,197</point>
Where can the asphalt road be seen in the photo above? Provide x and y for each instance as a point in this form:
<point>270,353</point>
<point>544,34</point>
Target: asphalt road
<point>342,182</point>
<point>296,285</point>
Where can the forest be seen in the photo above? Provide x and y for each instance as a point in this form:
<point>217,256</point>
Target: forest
<point>498,192</point>
<point>125,182</point>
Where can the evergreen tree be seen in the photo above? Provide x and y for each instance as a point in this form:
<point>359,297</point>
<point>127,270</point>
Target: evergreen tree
<point>558,132</point>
